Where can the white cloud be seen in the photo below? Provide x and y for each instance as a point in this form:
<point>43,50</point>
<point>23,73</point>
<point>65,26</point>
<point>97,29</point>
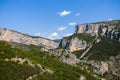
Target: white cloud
<point>53,36</point>
<point>61,28</point>
<point>77,14</point>
<point>64,13</point>
<point>109,19</point>
<point>72,23</point>
<point>38,34</point>
<point>68,34</point>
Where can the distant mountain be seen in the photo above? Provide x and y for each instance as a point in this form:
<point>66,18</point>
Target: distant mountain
<point>57,40</point>
<point>14,36</point>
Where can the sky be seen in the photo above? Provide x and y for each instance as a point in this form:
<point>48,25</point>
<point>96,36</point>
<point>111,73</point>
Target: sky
<point>55,19</point>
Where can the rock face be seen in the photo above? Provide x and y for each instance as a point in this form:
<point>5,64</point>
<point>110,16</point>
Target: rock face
<point>65,56</point>
<point>88,28</point>
<point>110,29</point>
<point>108,68</point>
<point>77,44</point>
<point>13,36</point>
<point>73,44</point>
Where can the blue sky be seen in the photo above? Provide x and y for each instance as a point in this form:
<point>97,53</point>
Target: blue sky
<point>55,18</point>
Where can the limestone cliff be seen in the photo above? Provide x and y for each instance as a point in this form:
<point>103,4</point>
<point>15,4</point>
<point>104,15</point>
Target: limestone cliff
<point>14,36</point>
<point>109,28</point>
<point>73,44</point>
<point>86,34</point>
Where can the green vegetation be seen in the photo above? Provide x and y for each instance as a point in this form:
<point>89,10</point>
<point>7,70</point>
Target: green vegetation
<point>104,49</point>
<point>82,36</point>
<point>15,71</point>
<point>78,53</point>
<point>24,47</point>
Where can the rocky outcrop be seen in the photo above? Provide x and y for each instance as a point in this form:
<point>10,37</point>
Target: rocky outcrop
<point>107,69</point>
<point>65,56</point>
<point>20,61</point>
<point>89,28</point>
<point>73,44</point>
<point>69,58</point>
<point>82,77</point>
<point>110,29</point>
<point>77,44</point>
<point>27,61</point>
<point>101,67</point>
<point>13,36</point>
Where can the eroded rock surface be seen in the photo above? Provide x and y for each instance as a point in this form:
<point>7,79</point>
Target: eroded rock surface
<point>13,36</point>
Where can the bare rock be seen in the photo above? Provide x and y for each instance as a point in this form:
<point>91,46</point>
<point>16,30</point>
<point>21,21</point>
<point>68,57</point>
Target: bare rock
<point>14,36</point>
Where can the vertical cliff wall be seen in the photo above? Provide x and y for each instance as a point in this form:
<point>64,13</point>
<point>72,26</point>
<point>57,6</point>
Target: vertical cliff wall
<point>108,28</point>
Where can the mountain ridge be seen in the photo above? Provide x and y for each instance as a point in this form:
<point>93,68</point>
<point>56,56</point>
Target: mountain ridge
<point>15,36</point>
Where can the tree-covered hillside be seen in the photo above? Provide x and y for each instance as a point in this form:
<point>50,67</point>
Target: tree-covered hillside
<point>30,62</point>
<point>104,49</point>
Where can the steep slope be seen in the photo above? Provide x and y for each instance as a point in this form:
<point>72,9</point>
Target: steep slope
<point>14,36</point>
<point>86,33</point>
<point>102,58</point>
<point>90,46</point>
<point>30,63</point>
<point>103,50</point>
<point>97,45</point>
<point>76,41</point>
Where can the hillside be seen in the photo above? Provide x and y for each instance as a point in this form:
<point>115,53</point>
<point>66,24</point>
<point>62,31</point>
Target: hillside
<point>31,63</point>
<point>97,46</point>
<point>104,49</point>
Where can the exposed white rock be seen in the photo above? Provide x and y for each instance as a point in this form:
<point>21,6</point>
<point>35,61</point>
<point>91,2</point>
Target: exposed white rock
<point>23,60</point>
<point>31,77</point>
<point>74,44</point>
<point>77,44</point>
<point>13,36</point>
<point>69,59</point>
<point>90,28</point>
<point>65,56</point>
<point>104,29</point>
<point>20,60</point>
<point>82,77</point>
